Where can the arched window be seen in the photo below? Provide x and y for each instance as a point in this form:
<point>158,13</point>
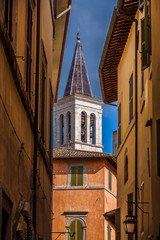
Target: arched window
<point>126,166</point>
<point>92,128</point>
<point>83,127</point>
<point>68,126</point>
<point>76,230</point>
<point>61,129</point>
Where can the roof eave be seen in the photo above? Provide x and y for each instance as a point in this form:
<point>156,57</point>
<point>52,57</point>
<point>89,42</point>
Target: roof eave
<point>106,45</point>
<point>113,50</point>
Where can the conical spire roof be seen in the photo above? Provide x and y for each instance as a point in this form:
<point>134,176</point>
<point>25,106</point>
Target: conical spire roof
<point>78,81</point>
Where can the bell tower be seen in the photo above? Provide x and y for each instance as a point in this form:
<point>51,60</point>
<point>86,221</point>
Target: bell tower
<point>78,115</point>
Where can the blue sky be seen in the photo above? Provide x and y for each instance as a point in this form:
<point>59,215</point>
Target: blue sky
<point>91,18</point>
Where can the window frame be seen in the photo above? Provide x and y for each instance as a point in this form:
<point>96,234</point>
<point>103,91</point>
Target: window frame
<point>146,36</point>
<point>110,180</point>
<point>109,230</point>
<point>131,98</point>
<point>119,123</point>
<point>70,165</point>
<point>126,166</point>
<point>29,30</point>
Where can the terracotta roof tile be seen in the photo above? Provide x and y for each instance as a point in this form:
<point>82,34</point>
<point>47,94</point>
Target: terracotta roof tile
<point>69,153</point>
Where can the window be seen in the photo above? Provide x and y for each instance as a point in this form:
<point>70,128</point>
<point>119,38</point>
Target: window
<point>118,223</point>
<point>76,230</point>
<point>109,231</point>
<point>109,180</point>
<point>83,127</point>
<point>68,126</point>
<point>142,83</point>
<point>43,101</point>
<point>158,147</point>
<point>130,211</point>
<point>146,36</point>
<point>119,124</point>
<point>77,176</point>
<point>29,46</point>
<point>131,98</point>
<point>92,128</point>
<point>8,12</point>
<point>61,129</point>
<point>126,166</point>
<point>51,126</point>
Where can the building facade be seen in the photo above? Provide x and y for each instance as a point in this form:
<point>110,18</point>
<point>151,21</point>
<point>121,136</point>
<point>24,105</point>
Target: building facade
<point>84,188</point>
<point>84,178</point>
<point>28,87</point>
<point>131,52</point>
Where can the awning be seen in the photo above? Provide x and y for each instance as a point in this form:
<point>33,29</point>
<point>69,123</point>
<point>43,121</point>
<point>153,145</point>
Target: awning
<point>110,217</point>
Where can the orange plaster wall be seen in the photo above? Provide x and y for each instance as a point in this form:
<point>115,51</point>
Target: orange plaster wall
<point>80,200</point>
<point>95,201</point>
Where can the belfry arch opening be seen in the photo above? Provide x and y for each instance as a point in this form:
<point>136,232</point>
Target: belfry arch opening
<point>68,118</point>
<point>61,123</point>
<point>83,127</point>
<point>92,128</point>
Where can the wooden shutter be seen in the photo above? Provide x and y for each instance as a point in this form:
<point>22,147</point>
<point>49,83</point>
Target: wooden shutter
<point>119,125</point>
<point>130,204</point>
<point>146,36</point>
<point>72,230</point>
<point>79,230</point>
<point>109,231</point>
<point>158,147</point>
<point>109,180</point>
<point>148,26</point>
<point>73,176</point>
<point>130,211</point>
<point>80,176</point>
<point>131,98</point>
<point>118,224</point>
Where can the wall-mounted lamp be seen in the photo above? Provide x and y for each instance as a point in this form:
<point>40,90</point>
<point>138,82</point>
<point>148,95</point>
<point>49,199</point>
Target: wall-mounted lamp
<point>131,221</point>
<point>130,224</point>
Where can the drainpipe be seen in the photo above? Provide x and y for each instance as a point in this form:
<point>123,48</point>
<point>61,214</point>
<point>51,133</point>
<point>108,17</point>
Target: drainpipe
<point>36,124</point>
<point>129,18</point>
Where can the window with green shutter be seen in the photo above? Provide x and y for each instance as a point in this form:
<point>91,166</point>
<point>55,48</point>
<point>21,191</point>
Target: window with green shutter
<point>109,231</point>
<point>119,124</point>
<point>130,211</point>
<point>118,224</point>
<point>110,180</point>
<point>77,176</point>
<point>76,230</point>
<point>146,36</point>
<point>131,98</point>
